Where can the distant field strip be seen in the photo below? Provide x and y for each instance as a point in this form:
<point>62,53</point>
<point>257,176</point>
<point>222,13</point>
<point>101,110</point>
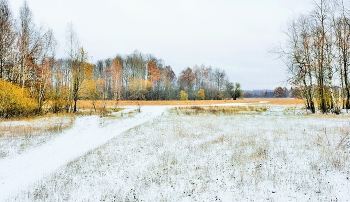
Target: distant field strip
<point>86,104</point>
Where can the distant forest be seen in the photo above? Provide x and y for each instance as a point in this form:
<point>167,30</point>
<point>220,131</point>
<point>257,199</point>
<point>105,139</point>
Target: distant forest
<point>278,92</point>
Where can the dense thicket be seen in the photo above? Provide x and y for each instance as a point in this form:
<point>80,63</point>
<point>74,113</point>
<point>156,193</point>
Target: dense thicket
<point>317,54</point>
<point>27,61</point>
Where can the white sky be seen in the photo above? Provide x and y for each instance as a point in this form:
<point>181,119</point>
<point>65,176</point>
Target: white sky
<point>234,35</point>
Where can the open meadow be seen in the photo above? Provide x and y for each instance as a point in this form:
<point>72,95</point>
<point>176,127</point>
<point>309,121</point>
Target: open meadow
<point>244,150</point>
<point>174,101</point>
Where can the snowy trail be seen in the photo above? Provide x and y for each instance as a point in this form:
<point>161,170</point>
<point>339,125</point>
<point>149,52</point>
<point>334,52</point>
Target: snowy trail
<point>89,132</point>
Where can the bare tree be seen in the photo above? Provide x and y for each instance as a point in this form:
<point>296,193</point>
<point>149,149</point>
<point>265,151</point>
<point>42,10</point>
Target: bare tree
<point>219,76</point>
<point>341,26</point>
<point>72,44</point>
<point>43,74</point>
<point>320,48</point>
<point>7,37</point>
<point>29,45</point>
<point>310,56</point>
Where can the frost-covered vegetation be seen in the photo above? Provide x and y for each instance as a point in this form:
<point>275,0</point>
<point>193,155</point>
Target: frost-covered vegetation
<point>18,136</point>
<point>278,154</point>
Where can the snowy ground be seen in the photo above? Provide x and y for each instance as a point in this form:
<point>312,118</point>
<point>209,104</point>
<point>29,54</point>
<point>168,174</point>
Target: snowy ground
<point>89,132</point>
<point>281,154</point>
<point>17,137</point>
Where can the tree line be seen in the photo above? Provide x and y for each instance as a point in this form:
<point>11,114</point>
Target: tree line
<point>30,71</point>
<point>144,77</point>
<point>317,55</point>
<point>278,92</point>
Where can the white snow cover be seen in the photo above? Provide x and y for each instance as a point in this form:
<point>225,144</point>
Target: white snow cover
<point>18,136</point>
<point>282,154</point>
<point>89,132</point>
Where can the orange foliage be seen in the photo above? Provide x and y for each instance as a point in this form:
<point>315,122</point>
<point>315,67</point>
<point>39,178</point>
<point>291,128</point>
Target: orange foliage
<point>116,71</point>
<point>153,73</point>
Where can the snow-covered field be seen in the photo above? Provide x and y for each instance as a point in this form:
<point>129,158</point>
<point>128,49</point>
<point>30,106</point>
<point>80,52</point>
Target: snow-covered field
<point>18,136</point>
<point>277,154</point>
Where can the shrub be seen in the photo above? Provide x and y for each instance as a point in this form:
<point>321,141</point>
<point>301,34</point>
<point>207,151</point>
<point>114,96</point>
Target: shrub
<point>201,94</point>
<point>59,100</point>
<point>183,95</point>
<point>218,95</point>
<point>15,101</point>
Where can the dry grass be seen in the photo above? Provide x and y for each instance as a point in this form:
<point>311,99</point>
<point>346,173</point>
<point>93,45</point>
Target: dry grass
<point>86,104</point>
<point>207,158</point>
<point>217,110</point>
<point>18,136</point>
<point>221,139</point>
<point>37,126</point>
<point>101,111</point>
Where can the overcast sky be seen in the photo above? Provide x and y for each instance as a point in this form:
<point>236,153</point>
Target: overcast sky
<point>234,35</point>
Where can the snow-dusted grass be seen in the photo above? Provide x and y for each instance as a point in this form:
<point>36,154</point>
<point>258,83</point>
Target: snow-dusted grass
<point>19,136</point>
<point>220,110</point>
<point>89,132</point>
<point>273,155</point>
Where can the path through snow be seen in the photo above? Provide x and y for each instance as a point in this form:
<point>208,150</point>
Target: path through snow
<point>89,132</point>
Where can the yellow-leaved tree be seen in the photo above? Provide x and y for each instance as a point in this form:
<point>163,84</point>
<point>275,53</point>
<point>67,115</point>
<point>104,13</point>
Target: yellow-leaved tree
<point>90,92</point>
<point>59,99</point>
<point>183,95</point>
<point>80,70</point>
<point>201,94</point>
<point>88,88</point>
<point>138,88</point>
